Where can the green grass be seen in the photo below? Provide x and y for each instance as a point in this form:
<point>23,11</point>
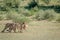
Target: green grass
<point>36,30</point>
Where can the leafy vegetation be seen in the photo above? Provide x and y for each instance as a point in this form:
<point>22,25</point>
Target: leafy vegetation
<point>14,10</point>
<point>19,18</point>
<point>43,15</point>
<point>46,1</point>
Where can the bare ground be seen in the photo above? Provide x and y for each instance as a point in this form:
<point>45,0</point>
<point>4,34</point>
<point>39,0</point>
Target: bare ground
<point>36,30</point>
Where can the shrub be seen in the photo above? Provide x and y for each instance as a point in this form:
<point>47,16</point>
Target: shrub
<point>11,14</point>
<point>58,18</point>
<point>1,17</point>
<point>19,18</point>
<point>48,16</point>
<point>46,1</point>
<point>43,15</point>
<point>28,13</point>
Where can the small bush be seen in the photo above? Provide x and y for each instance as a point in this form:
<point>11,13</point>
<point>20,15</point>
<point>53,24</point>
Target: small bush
<point>43,15</point>
<point>48,16</point>
<point>58,18</point>
<point>19,18</point>
<point>1,17</point>
<point>28,13</point>
<point>11,14</point>
<point>38,17</point>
